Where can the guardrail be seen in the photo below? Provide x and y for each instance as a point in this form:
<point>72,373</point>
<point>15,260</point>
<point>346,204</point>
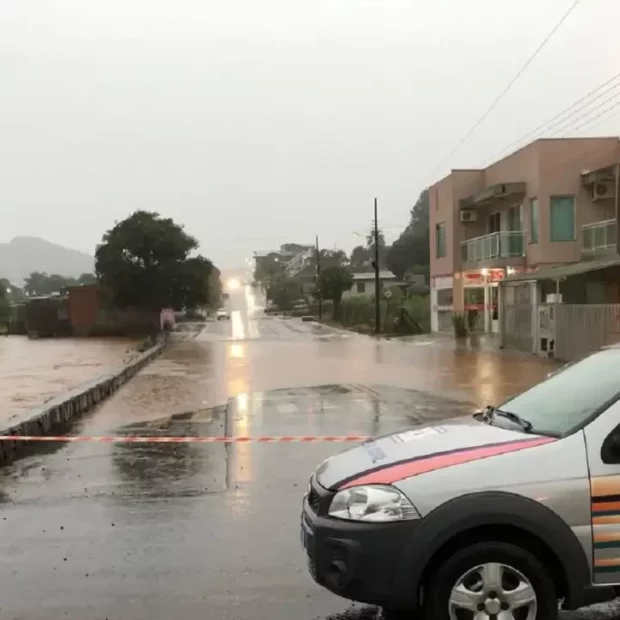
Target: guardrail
<point>504,244</point>
<point>600,236</point>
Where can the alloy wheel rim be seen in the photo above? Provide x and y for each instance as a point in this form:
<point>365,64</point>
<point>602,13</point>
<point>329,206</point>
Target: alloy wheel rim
<point>493,591</point>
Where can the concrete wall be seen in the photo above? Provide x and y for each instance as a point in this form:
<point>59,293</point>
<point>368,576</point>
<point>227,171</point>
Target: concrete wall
<point>561,163</point>
<point>56,414</point>
<point>84,305</point>
<point>92,315</point>
<point>444,207</point>
<point>548,167</point>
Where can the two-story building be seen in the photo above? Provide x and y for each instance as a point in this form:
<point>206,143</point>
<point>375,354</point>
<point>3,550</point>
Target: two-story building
<point>553,202</point>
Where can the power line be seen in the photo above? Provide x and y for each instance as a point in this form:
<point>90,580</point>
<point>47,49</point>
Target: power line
<point>587,113</point>
<point>558,118</point>
<point>610,109</point>
<point>287,238</point>
<point>503,93</point>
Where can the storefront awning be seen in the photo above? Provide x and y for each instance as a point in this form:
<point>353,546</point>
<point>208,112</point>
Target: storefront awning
<point>564,271</point>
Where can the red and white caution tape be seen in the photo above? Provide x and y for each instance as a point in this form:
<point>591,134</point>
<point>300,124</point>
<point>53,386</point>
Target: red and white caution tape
<point>156,439</point>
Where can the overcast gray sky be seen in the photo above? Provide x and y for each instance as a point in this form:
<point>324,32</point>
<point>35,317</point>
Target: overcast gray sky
<point>254,122</point>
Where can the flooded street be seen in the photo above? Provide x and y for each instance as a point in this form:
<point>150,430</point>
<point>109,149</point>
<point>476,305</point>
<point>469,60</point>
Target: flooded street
<point>95,531</point>
<point>33,371</point>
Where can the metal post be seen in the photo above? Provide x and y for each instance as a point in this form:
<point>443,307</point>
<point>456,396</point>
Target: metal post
<point>318,278</point>
<point>377,281</point>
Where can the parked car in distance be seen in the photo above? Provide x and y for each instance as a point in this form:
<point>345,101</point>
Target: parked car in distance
<point>271,308</point>
<point>503,514</point>
<point>222,314</point>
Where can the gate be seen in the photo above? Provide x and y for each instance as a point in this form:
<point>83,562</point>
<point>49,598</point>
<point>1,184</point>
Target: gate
<point>545,346</point>
<point>516,317</point>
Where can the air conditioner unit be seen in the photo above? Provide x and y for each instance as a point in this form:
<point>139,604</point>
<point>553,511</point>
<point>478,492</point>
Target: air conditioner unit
<point>469,216</point>
<point>603,189</point>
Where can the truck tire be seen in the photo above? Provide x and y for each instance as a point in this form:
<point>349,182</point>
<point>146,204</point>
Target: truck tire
<point>490,577</point>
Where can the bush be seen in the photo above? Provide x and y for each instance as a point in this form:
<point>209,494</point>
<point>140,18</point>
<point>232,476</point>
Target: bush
<point>419,309</point>
<point>356,311</point>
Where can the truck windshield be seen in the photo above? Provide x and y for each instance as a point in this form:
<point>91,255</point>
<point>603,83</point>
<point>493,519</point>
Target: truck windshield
<point>569,396</point>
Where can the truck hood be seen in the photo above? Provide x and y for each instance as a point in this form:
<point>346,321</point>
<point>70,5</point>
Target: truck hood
<point>394,457</point>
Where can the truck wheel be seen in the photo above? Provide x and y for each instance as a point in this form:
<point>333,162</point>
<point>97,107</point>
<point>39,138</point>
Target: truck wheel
<point>493,580</point>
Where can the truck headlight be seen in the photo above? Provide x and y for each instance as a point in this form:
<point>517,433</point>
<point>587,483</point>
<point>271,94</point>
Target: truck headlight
<point>372,503</point>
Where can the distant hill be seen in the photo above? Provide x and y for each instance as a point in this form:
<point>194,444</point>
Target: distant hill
<point>23,255</point>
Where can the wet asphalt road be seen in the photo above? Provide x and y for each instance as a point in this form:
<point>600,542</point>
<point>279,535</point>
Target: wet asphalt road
<point>125,532</point>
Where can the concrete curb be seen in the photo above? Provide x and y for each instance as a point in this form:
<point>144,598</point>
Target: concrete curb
<point>63,409</point>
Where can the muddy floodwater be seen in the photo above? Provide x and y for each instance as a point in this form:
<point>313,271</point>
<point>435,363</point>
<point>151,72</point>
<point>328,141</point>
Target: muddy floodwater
<point>33,371</point>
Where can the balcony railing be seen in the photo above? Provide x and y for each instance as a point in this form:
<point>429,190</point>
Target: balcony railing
<point>505,244</point>
<point>598,237</point>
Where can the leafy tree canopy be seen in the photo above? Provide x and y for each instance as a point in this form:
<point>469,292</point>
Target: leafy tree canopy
<point>333,282</point>
<point>5,306</point>
<point>383,249</point>
<point>360,258</point>
<point>268,266</point>
<point>12,293</point>
<point>284,292</point>
<point>293,248</point>
<point>329,258</point>
<point>144,261</point>
<point>410,253</point>
<point>41,283</point>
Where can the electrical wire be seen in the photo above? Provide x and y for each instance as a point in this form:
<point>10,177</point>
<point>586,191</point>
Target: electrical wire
<point>496,101</point>
<point>557,118</point>
<point>602,113</point>
<point>589,127</point>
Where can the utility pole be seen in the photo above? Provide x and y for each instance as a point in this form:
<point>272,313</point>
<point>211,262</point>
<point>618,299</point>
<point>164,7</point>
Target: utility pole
<point>377,281</point>
<point>318,278</point>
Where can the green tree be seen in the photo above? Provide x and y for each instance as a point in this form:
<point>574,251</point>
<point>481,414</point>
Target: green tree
<point>370,246</point>
<point>86,279</point>
<point>196,288</point>
<point>41,283</point>
<point>329,258</point>
<point>293,248</point>
<point>144,262</point>
<point>13,293</point>
<point>360,258</point>
<point>333,282</point>
<point>267,267</point>
<point>5,308</point>
<point>215,287</point>
<point>284,292</point>
<point>410,253</point>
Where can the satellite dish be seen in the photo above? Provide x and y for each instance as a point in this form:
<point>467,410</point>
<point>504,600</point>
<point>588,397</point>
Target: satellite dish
<point>388,294</point>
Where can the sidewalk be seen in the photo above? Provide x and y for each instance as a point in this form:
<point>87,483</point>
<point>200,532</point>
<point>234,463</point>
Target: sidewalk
<point>475,342</point>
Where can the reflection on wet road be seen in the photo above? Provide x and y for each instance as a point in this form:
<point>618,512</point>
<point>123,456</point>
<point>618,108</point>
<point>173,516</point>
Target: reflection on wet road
<point>128,532</point>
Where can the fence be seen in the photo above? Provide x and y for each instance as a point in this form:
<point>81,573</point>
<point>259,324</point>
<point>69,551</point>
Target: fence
<point>583,328</point>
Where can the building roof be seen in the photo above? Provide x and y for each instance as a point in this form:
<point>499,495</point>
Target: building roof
<point>565,271</point>
<point>370,275</point>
